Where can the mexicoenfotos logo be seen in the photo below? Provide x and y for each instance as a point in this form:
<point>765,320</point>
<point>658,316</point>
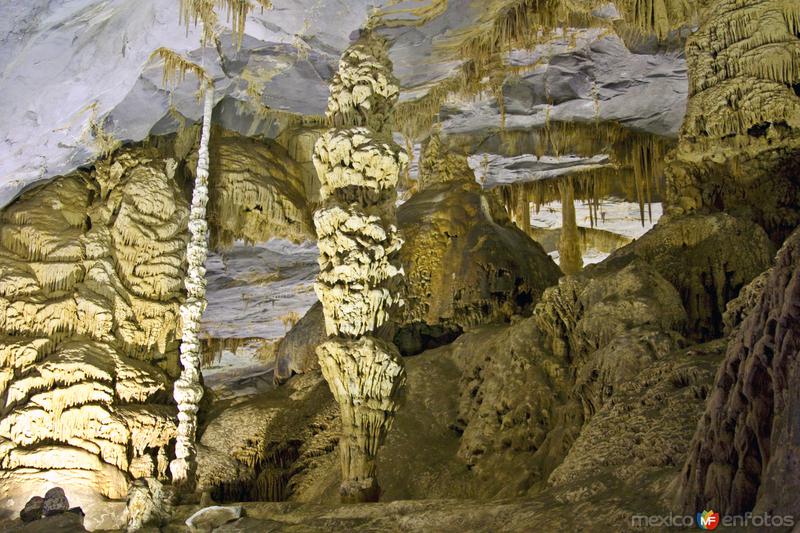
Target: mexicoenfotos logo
<point>708,520</point>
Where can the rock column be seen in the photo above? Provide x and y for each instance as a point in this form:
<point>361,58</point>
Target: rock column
<point>359,166</point>
<point>569,248</point>
<point>188,390</point>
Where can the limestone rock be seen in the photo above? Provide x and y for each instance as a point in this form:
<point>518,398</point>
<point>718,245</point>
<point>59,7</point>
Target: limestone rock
<point>352,158</point>
<point>149,504</point>
<point>208,519</point>
<point>358,243</point>
<point>586,337</point>
<point>465,265</point>
<point>290,433</point>
<point>296,351</point>
<point>642,428</point>
<point>32,510</point>
<point>707,258</point>
<point>68,522</point>
<point>55,502</point>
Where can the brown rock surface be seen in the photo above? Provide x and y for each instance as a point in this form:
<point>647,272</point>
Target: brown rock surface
<point>744,453</point>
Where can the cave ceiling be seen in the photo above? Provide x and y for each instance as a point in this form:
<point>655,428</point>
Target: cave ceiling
<point>67,66</point>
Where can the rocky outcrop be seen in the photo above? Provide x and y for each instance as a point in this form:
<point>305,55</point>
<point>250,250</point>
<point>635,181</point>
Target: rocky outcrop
<point>149,504</point>
<point>466,264</point>
<point>296,351</point>
<point>273,446</point>
<point>707,258</point>
<point>586,338</point>
<point>738,144</point>
<point>744,452</point>
<point>91,285</point>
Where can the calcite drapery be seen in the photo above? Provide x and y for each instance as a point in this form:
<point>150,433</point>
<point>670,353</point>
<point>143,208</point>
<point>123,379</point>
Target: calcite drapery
<point>358,167</point>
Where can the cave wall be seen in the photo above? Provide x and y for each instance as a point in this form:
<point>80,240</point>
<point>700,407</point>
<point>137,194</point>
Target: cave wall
<point>92,278</point>
<point>739,142</point>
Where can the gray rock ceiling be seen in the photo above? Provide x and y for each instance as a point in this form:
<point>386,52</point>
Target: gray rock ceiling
<point>65,64</point>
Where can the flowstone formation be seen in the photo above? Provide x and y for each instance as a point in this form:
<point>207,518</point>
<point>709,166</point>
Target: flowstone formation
<point>358,166</point>
<point>738,144</point>
<point>466,263</point>
<point>91,285</point>
<point>257,192</point>
<point>744,452</point>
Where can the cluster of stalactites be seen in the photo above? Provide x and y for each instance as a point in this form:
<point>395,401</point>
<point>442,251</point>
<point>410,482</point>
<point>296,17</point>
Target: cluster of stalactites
<point>364,90</point>
<point>356,226</point>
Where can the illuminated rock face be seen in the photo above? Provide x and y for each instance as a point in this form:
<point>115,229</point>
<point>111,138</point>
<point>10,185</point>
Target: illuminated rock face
<point>742,129</point>
<point>358,242</point>
<point>91,284</point>
<point>256,192</point>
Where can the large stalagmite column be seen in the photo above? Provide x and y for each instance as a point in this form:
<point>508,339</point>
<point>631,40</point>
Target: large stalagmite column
<point>358,166</point>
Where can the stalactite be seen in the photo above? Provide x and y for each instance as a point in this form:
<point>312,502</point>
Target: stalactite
<point>203,11</point>
<point>357,237</point>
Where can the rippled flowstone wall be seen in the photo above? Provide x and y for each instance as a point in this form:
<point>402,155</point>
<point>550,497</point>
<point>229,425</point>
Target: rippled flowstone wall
<point>738,144</point>
<point>92,279</point>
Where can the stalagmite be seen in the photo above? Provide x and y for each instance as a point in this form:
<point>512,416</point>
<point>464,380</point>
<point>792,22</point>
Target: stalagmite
<point>569,248</point>
<point>358,168</point>
<point>188,390</point>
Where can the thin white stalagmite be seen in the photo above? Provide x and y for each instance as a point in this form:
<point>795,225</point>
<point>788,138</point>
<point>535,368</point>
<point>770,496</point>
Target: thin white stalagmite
<point>188,390</point>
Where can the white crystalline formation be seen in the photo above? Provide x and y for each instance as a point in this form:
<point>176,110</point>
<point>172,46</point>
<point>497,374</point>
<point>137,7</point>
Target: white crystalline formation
<point>187,389</point>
